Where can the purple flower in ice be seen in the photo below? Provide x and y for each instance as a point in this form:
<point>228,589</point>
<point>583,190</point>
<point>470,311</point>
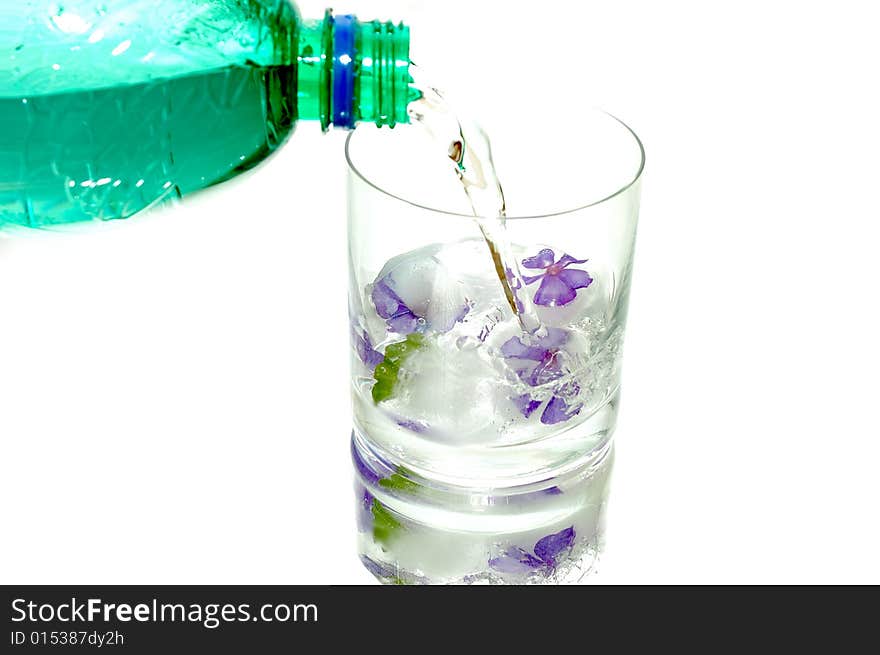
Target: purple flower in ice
<point>397,315</point>
<point>515,560</point>
<point>537,365</point>
<point>557,411</point>
<point>549,548</point>
<point>548,552</point>
<point>425,311</point>
<point>391,572</point>
<point>559,283</point>
<point>365,510</point>
<point>526,405</point>
<point>372,515</point>
<point>364,347</point>
<point>369,474</point>
<point>419,427</point>
<point>380,570</point>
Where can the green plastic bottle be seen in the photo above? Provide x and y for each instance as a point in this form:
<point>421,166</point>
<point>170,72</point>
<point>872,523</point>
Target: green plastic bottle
<point>108,107</point>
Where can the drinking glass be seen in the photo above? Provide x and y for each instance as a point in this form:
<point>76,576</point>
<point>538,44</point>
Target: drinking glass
<point>483,447</point>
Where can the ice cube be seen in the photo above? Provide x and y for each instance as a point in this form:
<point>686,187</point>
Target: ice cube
<point>416,291</point>
<point>489,309</point>
<point>457,393</point>
<point>449,288</point>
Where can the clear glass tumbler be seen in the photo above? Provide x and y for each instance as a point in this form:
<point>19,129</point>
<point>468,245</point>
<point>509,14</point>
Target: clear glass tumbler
<point>482,450</point>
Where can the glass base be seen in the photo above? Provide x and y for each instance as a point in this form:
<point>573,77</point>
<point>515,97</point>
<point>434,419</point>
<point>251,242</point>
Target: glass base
<point>416,531</point>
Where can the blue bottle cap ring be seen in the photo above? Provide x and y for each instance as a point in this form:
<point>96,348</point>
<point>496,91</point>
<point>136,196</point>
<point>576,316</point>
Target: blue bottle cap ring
<point>344,61</point>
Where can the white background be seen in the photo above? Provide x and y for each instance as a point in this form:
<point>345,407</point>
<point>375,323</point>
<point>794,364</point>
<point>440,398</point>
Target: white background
<point>169,414</point>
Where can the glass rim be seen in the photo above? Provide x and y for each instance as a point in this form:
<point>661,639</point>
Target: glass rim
<point>623,189</point>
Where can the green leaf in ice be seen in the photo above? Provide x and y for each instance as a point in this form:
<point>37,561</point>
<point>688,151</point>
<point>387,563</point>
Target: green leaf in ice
<point>399,481</point>
<point>385,526</point>
<point>387,373</point>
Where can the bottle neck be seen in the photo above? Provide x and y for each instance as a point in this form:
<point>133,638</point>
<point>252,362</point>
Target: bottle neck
<point>349,72</point>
